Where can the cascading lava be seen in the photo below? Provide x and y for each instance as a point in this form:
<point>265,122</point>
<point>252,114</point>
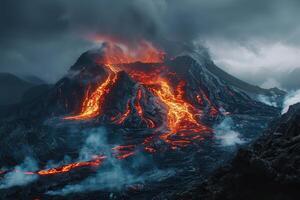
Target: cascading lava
<point>182,125</point>
<point>91,106</point>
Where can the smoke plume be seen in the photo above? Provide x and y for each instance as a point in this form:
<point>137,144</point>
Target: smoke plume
<point>225,134</point>
<point>290,99</point>
<point>115,175</point>
<point>269,100</point>
<point>17,177</point>
<point>31,36</point>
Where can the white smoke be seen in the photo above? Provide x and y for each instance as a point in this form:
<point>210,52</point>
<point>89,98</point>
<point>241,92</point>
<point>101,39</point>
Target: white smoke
<point>95,143</point>
<point>269,100</point>
<point>17,177</point>
<point>225,135</point>
<point>290,99</point>
<point>114,177</point>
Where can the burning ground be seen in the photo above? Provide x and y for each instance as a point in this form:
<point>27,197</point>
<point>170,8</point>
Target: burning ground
<point>158,116</point>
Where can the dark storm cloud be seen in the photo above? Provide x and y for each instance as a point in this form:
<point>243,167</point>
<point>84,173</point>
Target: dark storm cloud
<point>45,37</point>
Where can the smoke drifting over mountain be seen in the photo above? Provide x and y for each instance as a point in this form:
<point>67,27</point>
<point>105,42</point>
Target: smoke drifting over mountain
<point>46,36</point>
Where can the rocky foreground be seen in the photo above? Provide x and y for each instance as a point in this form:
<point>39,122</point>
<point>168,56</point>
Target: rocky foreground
<point>269,169</point>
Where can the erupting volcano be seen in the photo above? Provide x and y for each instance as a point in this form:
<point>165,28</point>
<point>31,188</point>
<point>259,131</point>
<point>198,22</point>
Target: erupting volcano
<point>157,112</point>
<point>182,119</point>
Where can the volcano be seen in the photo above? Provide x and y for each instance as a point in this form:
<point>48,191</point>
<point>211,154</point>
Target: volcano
<point>159,114</point>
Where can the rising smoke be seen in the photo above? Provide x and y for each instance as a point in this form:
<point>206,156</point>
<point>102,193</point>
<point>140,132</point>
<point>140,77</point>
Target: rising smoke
<point>290,99</point>
<point>31,40</point>
<point>269,100</point>
<point>225,134</point>
<point>114,175</point>
<point>17,177</point>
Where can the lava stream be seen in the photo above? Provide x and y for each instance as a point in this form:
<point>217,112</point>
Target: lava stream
<point>97,161</point>
<point>91,106</point>
<point>124,116</point>
<point>140,110</point>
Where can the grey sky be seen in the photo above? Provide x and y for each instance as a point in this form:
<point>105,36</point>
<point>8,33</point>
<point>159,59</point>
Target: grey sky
<point>256,40</point>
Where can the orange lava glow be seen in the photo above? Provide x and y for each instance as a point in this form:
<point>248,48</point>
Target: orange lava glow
<point>139,108</point>
<point>97,161</point>
<point>92,103</point>
<point>213,110</point>
<point>124,151</point>
<point>124,116</point>
<point>182,118</point>
<point>115,52</point>
<point>118,51</point>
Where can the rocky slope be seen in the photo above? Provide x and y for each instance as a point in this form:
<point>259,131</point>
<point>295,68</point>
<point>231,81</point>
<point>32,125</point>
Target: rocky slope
<point>269,169</point>
<point>157,132</point>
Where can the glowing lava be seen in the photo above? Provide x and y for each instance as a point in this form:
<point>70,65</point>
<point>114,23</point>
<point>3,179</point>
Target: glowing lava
<point>117,51</point>
<point>124,116</point>
<point>124,151</point>
<point>97,161</point>
<point>139,108</point>
<point>92,103</point>
<point>183,124</point>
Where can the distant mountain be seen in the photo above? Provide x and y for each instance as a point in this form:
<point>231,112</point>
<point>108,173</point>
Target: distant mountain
<point>12,88</point>
<point>35,92</point>
<point>34,79</point>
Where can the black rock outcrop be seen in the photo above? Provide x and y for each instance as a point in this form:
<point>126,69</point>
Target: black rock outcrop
<point>269,169</point>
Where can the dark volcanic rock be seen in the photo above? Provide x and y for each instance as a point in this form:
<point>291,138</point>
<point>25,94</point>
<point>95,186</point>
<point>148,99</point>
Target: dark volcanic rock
<point>38,128</point>
<point>219,92</point>
<point>269,169</point>
<point>30,124</point>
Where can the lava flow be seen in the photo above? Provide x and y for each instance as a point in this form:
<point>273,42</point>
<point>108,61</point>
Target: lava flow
<point>91,106</point>
<point>97,161</point>
<point>139,109</point>
<point>183,124</point>
<point>181,119</point>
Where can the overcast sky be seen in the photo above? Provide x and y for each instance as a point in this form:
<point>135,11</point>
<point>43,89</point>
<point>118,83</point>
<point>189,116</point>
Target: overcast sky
<point>257,41</point>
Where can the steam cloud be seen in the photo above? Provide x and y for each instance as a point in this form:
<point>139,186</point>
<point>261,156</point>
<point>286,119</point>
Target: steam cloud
<point>267,100</point>
<point>225,135</point>
<point>290,99</point>
<point>17,177</point>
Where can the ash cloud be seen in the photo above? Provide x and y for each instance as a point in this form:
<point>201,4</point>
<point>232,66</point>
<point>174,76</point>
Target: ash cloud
<point>47,36</point>
<point>269,100</point>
